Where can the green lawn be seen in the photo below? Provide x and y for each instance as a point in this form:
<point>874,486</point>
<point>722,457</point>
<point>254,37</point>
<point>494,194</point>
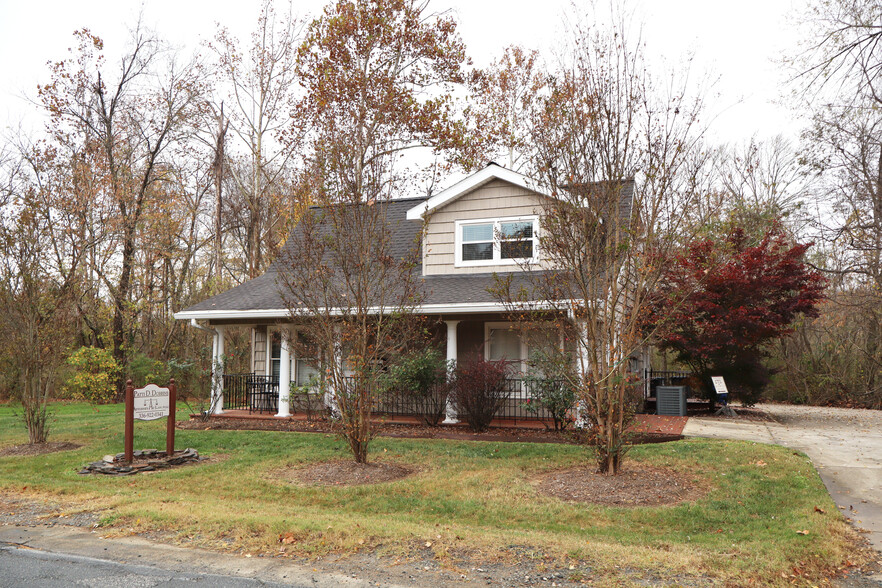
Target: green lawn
<point>479,497</point>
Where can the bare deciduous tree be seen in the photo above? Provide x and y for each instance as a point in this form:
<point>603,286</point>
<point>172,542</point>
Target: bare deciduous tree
<point>122,124</point>
<point>260,83</point>
<point>377,75</point>
<point>620,157</point>
<point>39,271</point>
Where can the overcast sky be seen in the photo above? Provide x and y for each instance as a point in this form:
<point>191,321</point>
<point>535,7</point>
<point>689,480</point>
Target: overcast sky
<point>736,43</point>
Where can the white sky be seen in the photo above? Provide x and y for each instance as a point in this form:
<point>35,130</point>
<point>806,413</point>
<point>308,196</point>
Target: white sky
<point>735,43</point>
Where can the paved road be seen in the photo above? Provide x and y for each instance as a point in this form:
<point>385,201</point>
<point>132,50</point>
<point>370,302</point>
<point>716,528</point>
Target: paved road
<point>28,567</point>
<point>844,444</point>
<point>65,556</point>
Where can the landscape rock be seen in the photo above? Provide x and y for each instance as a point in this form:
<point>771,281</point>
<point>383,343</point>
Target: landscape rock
<point>145,460</point>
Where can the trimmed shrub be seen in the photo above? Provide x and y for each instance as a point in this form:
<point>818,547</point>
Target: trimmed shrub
<point>551,395</point>
<point>420,377</point>
<point>480,389</point>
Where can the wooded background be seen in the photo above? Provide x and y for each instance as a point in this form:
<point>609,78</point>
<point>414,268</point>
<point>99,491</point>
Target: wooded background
<point>163,178</point>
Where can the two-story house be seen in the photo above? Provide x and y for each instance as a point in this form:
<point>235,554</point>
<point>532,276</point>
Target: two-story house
<point>487,223</point>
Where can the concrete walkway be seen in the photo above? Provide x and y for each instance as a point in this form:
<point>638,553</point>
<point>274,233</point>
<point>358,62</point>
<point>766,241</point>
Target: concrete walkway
<point>844,444</point>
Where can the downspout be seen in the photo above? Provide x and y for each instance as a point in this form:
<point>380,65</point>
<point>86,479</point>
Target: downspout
<point>196,325</point>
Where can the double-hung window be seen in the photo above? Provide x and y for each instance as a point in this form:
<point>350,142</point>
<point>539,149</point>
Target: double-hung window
<point>496,242</point>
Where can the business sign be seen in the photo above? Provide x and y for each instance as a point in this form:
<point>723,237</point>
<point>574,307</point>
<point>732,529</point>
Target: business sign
<point>719,385</point>
<point>151,402</point>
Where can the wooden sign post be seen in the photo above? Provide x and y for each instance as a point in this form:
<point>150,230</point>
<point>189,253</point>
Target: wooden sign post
<point>147,404</point>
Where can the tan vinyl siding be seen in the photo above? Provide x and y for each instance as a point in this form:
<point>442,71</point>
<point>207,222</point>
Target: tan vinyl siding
<point>258,349</point>
<point>496,199</point>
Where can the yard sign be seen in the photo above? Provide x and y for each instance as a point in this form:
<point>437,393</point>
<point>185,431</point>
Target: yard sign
<point>719,385</point>
<point>147,404</point>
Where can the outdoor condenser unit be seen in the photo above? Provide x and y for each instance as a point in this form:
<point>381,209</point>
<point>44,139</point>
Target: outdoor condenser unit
<point>671,400</point>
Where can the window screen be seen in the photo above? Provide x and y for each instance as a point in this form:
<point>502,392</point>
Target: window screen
<point>477,242</point>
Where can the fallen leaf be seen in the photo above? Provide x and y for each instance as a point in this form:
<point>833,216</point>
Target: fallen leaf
<point>287,538</point>
<point>428,543</point>
<point>761,464</point>
<point>820,510</point>
<point>803,532</point>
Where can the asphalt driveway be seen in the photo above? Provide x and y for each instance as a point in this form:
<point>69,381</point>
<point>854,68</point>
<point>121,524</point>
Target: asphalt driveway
<point>844,444</point>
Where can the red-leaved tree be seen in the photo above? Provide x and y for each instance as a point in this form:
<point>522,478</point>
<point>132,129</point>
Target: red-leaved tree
<point>723,301</point>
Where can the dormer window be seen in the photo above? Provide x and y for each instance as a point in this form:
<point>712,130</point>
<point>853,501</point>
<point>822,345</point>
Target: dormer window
<point>496,241</point>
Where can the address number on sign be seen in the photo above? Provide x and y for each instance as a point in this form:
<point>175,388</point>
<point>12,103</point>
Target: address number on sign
<point>151,403</point>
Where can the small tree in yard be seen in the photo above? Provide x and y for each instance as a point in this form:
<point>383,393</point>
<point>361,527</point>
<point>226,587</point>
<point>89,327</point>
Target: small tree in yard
<point>377,77</point>
<point>621,161</point>
<point>480,389</point>
<point>722,302</point>
<point>38,272</point>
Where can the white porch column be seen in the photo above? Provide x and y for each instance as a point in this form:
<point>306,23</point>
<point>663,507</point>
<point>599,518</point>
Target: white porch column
<point>581,363</point>
<point>284,373</point>
<point>217,371</point>
<point>337,358</point>
<point>451,364</point>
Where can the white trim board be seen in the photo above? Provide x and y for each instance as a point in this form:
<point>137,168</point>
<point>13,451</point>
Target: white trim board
<point>462,308</point>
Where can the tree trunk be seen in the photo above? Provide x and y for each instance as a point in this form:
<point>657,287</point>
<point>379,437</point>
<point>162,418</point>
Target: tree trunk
<point>120,351</point>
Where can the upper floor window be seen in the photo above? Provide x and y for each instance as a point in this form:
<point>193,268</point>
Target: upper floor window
<point>496,242</point>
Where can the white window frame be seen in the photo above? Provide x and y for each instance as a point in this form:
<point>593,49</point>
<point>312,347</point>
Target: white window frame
<point>497,257</point>
<point>271,330</point>
<point>507,326</point>
<point>522,364</point>
<point>525,349</point>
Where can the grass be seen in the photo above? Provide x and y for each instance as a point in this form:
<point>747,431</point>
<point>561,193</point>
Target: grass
<point>473,498</point>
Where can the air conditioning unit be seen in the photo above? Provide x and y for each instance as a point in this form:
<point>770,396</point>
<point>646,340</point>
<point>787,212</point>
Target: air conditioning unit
<point>671,400</point>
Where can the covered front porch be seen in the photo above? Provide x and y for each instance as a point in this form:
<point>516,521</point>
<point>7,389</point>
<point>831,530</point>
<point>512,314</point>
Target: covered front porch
<point>278,384</point>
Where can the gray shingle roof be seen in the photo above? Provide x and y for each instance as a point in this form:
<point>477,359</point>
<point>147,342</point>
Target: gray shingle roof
<point>265,292</point>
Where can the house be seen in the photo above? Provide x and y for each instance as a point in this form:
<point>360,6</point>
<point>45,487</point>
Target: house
<point>486,224</point>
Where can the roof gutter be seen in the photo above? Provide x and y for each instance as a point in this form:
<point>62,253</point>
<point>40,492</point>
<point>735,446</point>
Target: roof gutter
<point>281,314</point>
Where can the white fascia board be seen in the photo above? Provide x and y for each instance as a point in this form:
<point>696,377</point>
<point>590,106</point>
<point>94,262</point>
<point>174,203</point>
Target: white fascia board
<point>232,314</point>
<point>460,307</point>
<point>473,182</point>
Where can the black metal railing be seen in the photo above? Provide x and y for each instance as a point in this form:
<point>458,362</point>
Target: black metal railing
<point>254,392</point>
<point>652,379</point>
<point>520,402</point>
<point>260,393</point>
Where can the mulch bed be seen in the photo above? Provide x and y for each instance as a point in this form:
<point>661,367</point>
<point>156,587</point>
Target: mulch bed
<point>37,448</point>
<point>345,473</point>
<point>636,485</point>
<point>413,431</point>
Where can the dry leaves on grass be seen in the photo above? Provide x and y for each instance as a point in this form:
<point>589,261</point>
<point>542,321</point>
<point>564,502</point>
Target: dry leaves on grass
<point>637,485</point>
<point>345,473</point>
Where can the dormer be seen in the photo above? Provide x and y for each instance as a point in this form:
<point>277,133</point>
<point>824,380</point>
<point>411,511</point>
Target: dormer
<point>488,222</point>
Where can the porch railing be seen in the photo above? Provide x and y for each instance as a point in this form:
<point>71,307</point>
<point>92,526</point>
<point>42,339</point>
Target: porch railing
<point>652,379</point>
<point>252,392</point>
<point>260,393</point>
